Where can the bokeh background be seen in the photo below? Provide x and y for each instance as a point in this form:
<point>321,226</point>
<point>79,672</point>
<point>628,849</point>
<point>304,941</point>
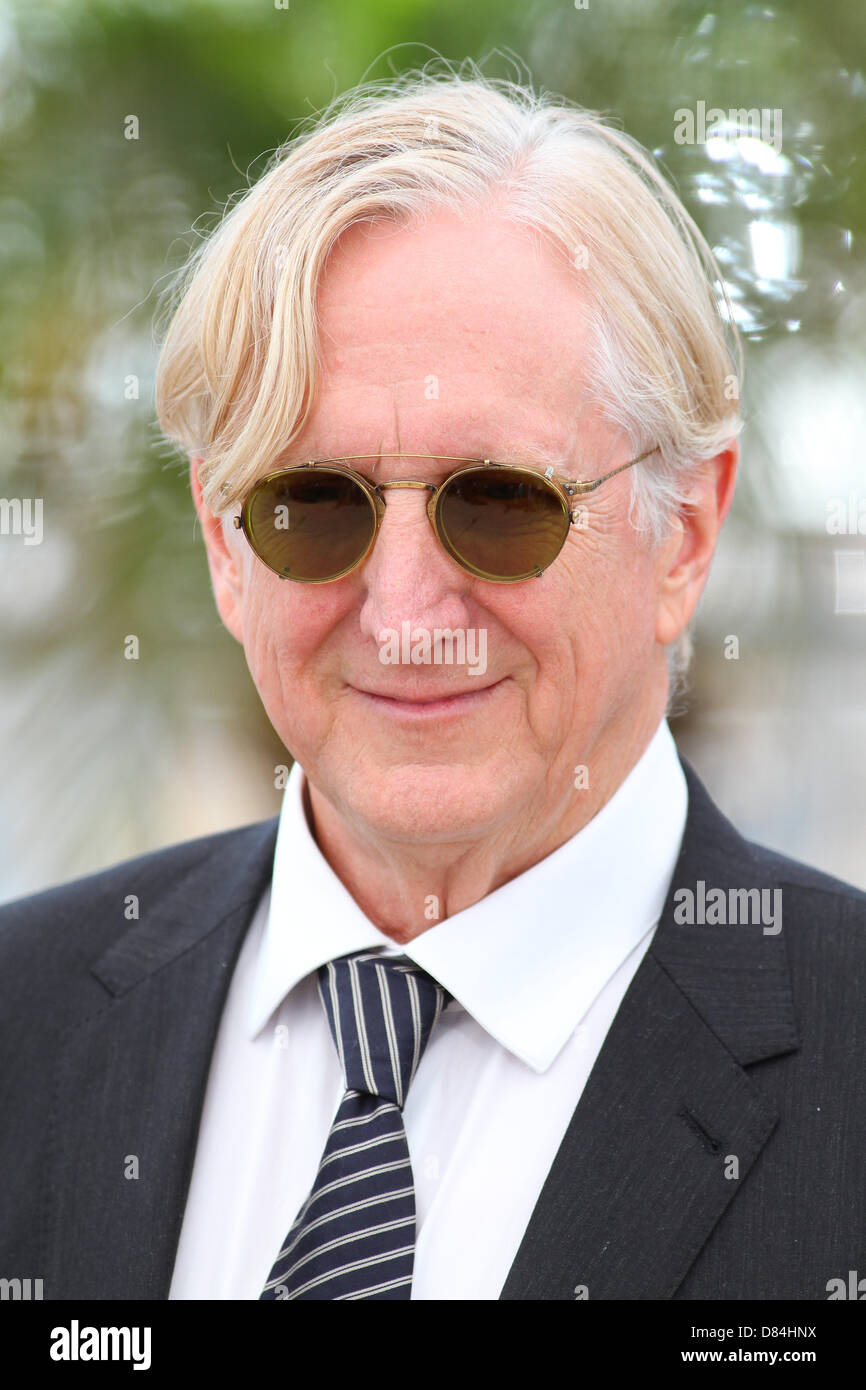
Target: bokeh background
<point>103,757</point>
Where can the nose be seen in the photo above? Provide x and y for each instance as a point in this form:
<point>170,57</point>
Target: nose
<point>408,575</point>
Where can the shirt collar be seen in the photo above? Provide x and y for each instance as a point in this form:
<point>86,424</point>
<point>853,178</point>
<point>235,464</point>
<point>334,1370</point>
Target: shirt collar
<point>528,960</point>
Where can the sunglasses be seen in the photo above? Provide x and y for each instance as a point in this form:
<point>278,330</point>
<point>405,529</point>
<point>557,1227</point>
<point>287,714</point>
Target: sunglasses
<point>502,522</point>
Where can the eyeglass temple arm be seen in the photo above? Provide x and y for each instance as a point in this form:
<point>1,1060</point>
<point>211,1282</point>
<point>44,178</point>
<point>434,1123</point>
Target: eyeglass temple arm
<point>580,488</point>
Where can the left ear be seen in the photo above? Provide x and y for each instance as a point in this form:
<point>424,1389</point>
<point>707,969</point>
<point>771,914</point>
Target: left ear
<point>685,558</point>
<point>225,569</point>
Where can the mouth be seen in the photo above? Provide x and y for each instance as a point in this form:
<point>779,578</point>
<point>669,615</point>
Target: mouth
<point>428,705</point>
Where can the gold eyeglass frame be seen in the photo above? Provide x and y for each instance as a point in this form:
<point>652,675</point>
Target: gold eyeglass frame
<point>565,489</point>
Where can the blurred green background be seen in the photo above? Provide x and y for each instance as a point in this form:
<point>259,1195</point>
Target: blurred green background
<point>105,757</point>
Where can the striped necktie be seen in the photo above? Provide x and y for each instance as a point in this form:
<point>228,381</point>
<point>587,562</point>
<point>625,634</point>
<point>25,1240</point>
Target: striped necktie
<point>354,1237</point>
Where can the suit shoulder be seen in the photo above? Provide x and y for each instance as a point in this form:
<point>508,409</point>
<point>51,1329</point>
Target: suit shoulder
<point>824,925</point>
<point>716,838</point>
<point>796,874</point>
<point>90,907</point>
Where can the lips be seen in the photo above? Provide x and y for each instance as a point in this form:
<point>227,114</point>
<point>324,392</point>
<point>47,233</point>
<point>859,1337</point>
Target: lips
<point>422,706</point>
<point>428,697</point>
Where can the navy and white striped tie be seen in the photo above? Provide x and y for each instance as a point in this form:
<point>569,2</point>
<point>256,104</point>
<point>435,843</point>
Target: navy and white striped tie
<point>354,1237</point>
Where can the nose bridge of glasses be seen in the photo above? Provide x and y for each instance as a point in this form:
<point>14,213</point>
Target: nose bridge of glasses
<point>417,484</point>
<point>404,482</point>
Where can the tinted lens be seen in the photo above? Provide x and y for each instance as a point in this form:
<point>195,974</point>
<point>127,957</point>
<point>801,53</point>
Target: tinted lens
<point>311,525</point>
<point>502,523</point>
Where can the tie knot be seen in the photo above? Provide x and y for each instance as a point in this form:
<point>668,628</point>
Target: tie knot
<point>381,1010</point>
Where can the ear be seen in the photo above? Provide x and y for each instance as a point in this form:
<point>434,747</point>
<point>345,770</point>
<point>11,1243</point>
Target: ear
<point>685,558</point>
<point>223,560</point>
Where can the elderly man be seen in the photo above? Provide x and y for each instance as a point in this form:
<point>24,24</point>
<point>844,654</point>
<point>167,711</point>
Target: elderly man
<point>500,1006</point>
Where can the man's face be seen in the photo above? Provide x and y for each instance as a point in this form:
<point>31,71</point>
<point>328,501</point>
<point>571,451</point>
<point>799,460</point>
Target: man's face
<point>459,338</point>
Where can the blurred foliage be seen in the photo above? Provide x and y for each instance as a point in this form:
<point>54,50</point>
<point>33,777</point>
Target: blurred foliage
<point>92,223</point>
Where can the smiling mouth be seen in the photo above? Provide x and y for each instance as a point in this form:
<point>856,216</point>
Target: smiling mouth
<point>444,702</point>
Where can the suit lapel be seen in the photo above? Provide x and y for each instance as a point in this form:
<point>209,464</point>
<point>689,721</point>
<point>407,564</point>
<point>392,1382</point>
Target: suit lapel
<point>123,1142</point>
<point>668,1115</point>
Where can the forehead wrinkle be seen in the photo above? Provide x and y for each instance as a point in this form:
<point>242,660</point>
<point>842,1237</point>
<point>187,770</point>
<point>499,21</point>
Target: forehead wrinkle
<point>508,444</point>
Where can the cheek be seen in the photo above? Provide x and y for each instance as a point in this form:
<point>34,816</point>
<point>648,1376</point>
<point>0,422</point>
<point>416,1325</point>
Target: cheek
<point>282,627</point>
<point>590,622</point>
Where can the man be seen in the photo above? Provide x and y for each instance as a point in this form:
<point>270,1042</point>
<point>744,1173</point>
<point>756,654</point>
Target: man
<point>501,1006</point>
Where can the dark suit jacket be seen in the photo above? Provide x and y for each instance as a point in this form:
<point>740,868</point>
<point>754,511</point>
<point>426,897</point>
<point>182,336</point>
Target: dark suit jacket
<point>730,1043</point>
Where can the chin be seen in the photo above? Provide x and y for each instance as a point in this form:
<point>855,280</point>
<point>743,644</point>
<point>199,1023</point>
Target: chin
<point>434,803</point>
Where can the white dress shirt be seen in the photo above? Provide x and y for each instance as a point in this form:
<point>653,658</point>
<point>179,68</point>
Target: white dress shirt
<point>537,969</point>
